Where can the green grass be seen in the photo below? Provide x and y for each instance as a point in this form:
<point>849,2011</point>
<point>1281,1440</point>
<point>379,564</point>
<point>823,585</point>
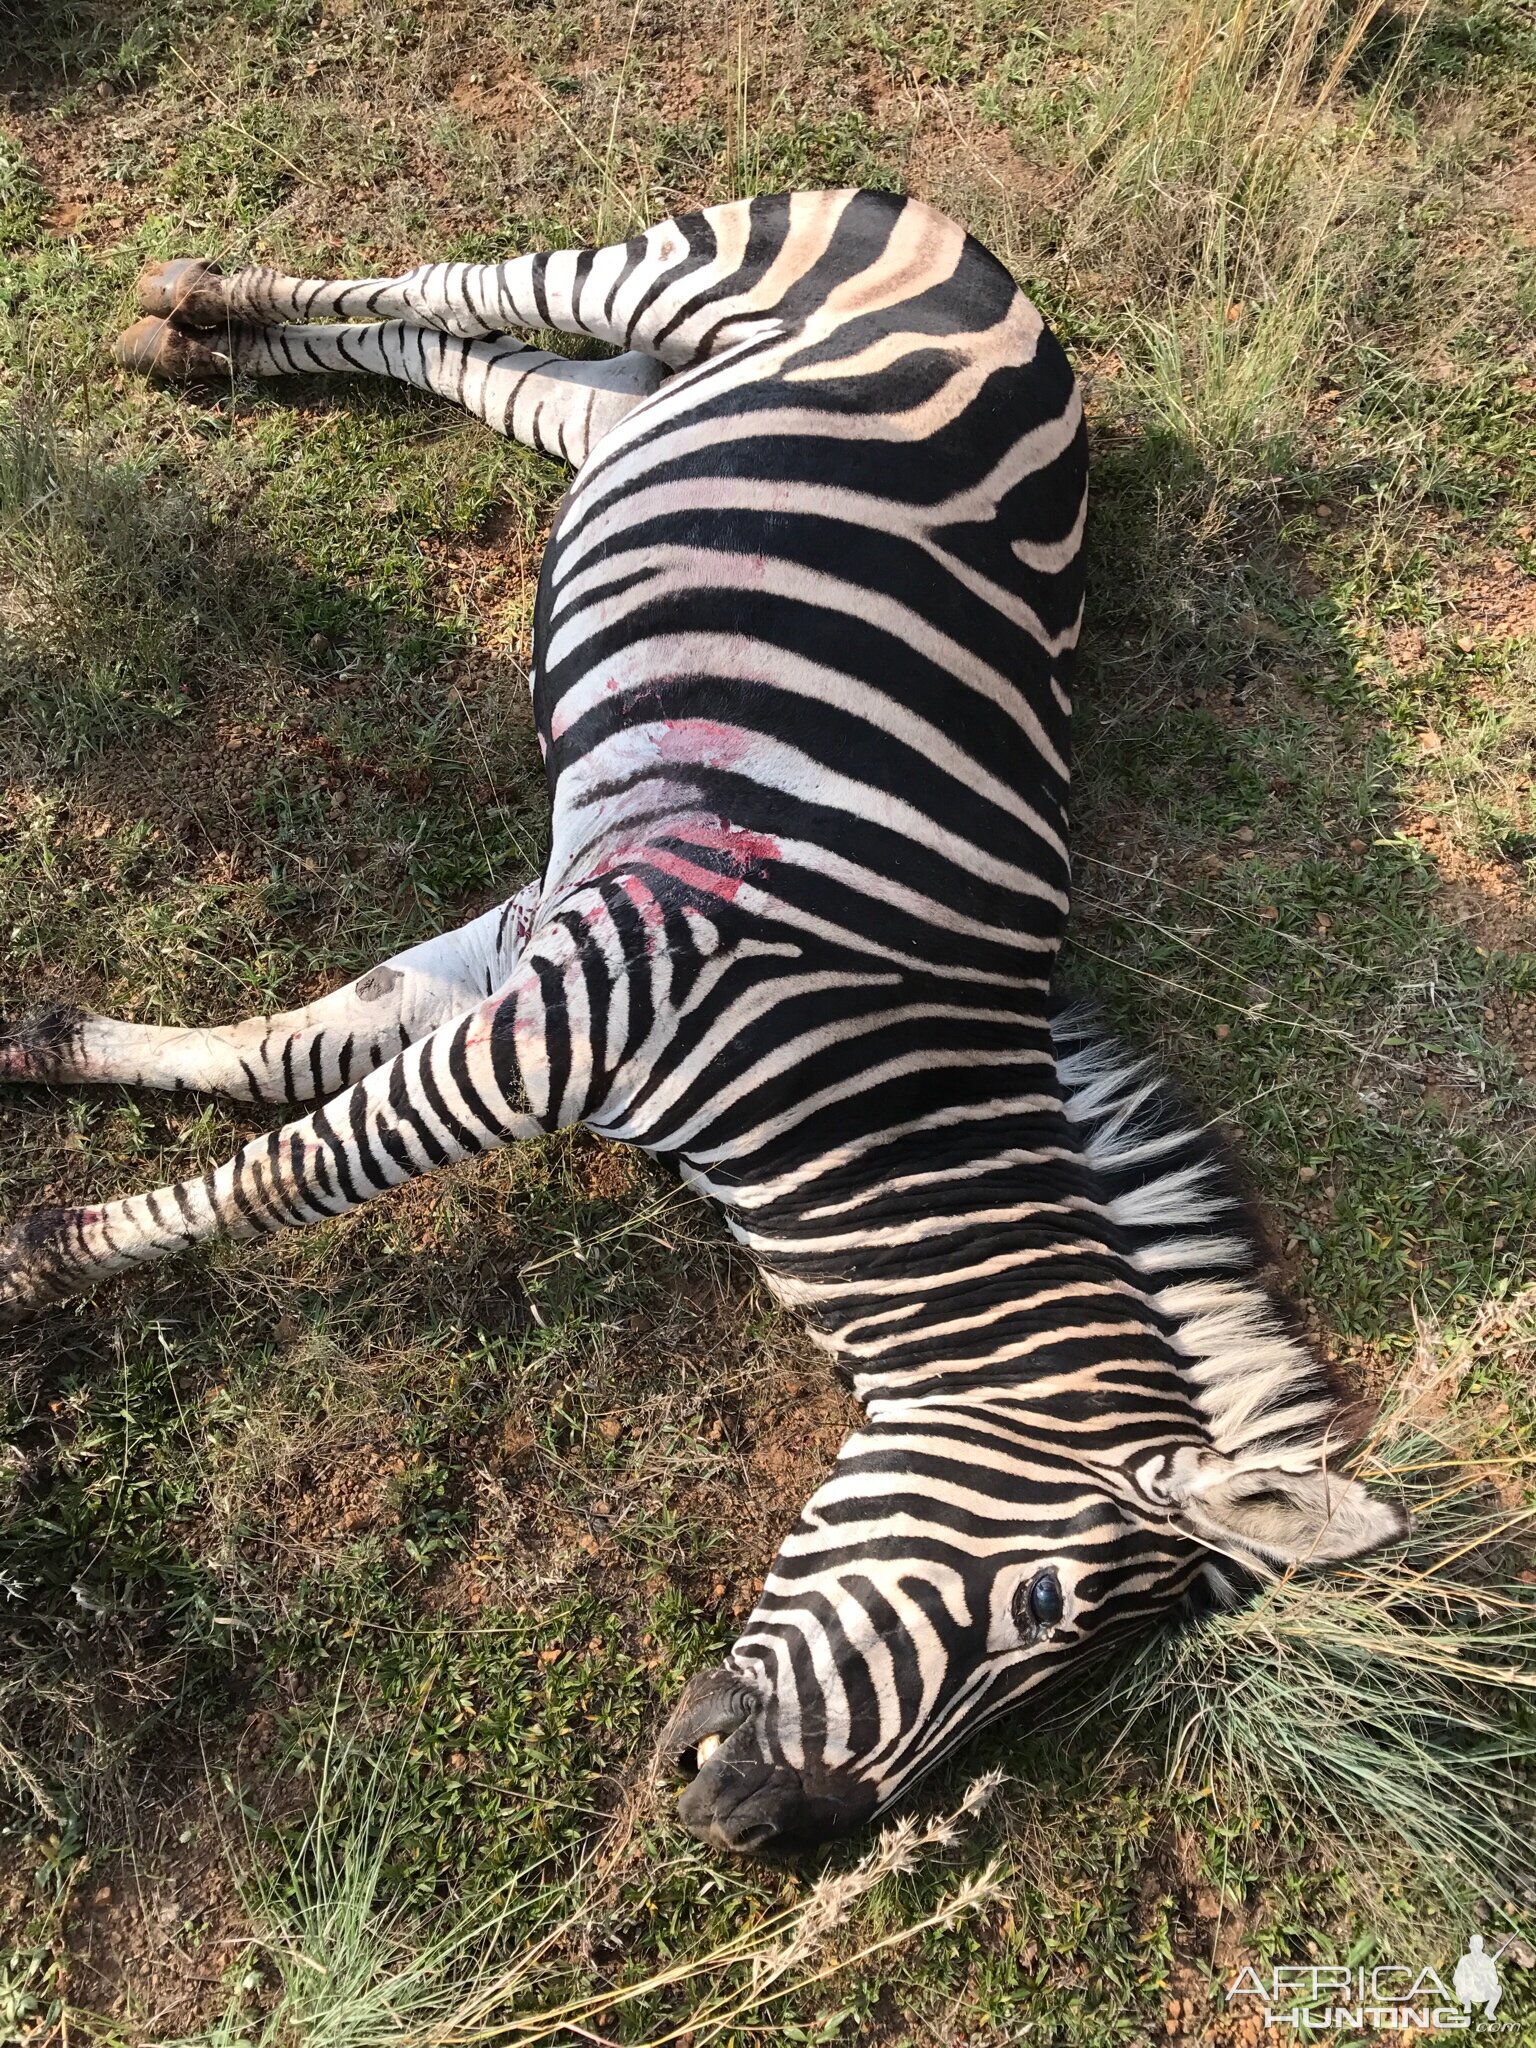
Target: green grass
<point>1402,1658</point>
<point>347,1578</point>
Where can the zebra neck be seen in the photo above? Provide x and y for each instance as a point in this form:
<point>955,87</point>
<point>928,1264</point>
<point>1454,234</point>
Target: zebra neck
<point>1052,1272</point>
<point>989,1275</point>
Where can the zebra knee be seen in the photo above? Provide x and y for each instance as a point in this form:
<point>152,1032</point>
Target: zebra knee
<point>42,1047</point>
<point>192,289</point>
<point>162,348</point>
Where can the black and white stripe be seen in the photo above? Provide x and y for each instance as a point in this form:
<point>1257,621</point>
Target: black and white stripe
<point>803,649</point>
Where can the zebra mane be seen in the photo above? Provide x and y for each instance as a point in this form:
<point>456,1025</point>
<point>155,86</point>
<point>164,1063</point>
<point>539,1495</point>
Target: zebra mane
<point>1175,1191</point>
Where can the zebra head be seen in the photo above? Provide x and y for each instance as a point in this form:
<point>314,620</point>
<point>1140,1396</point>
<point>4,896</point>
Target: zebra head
<point>951,1566</point>
<point>1048,1466</point>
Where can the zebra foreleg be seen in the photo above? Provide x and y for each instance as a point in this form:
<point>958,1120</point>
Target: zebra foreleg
<point>549,403</point>
<point>296,1055</point>
<point>456,1092</point>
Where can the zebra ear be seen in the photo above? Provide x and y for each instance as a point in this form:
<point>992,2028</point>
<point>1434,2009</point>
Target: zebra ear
<point>1285,1517</point>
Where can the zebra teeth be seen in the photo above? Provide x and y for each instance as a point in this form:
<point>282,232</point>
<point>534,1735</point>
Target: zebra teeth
<point>708,1744</point>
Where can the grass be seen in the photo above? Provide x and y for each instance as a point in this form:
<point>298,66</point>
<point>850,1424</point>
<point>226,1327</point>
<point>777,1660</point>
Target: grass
<point>347,1578</point>
<point>1416,1664</point>
<point>1216,161</point>
<point>351,1968</point>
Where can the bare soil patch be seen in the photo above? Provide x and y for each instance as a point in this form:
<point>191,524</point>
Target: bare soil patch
<point>1490,900</point>
<point>156,1931</point>
<point>1496,601</point>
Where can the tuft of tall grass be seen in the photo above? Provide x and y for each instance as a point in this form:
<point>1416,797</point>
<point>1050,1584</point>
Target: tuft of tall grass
<point>352,1971</point>
<point>22,199</point>
<point>1225,173</point>
<point>1395,1695</point>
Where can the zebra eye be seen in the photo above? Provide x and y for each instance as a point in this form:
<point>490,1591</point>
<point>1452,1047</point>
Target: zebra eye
<point>1039,1605</point>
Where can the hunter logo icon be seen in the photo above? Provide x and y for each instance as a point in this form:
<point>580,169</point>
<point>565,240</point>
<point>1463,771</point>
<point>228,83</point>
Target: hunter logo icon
<point>1476,1979</point>
<point>1318,1998</point>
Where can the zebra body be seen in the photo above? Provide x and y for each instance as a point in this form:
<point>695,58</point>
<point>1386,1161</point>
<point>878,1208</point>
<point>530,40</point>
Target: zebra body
<point>802,659</point>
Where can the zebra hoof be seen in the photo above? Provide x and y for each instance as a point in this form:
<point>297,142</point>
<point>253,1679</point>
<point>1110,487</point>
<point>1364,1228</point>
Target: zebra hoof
<point>160,348</point>
<point>39,1047</point>
<point>191,288</point>
<point>29,1275</point>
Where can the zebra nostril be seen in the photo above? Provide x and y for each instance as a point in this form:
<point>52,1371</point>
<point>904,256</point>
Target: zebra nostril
<point>713,1708</point>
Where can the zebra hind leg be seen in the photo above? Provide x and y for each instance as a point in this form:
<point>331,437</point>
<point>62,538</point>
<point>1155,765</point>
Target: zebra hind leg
<point>292,1056</point>
<point>547,402</point>
<point>686,288</point>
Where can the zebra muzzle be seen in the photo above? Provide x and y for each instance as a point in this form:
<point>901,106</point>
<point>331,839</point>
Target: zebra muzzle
<point>735,1796</point>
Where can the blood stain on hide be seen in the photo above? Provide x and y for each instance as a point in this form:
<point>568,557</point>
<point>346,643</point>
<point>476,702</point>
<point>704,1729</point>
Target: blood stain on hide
<point>720,836</point>
<point>708,881</point>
